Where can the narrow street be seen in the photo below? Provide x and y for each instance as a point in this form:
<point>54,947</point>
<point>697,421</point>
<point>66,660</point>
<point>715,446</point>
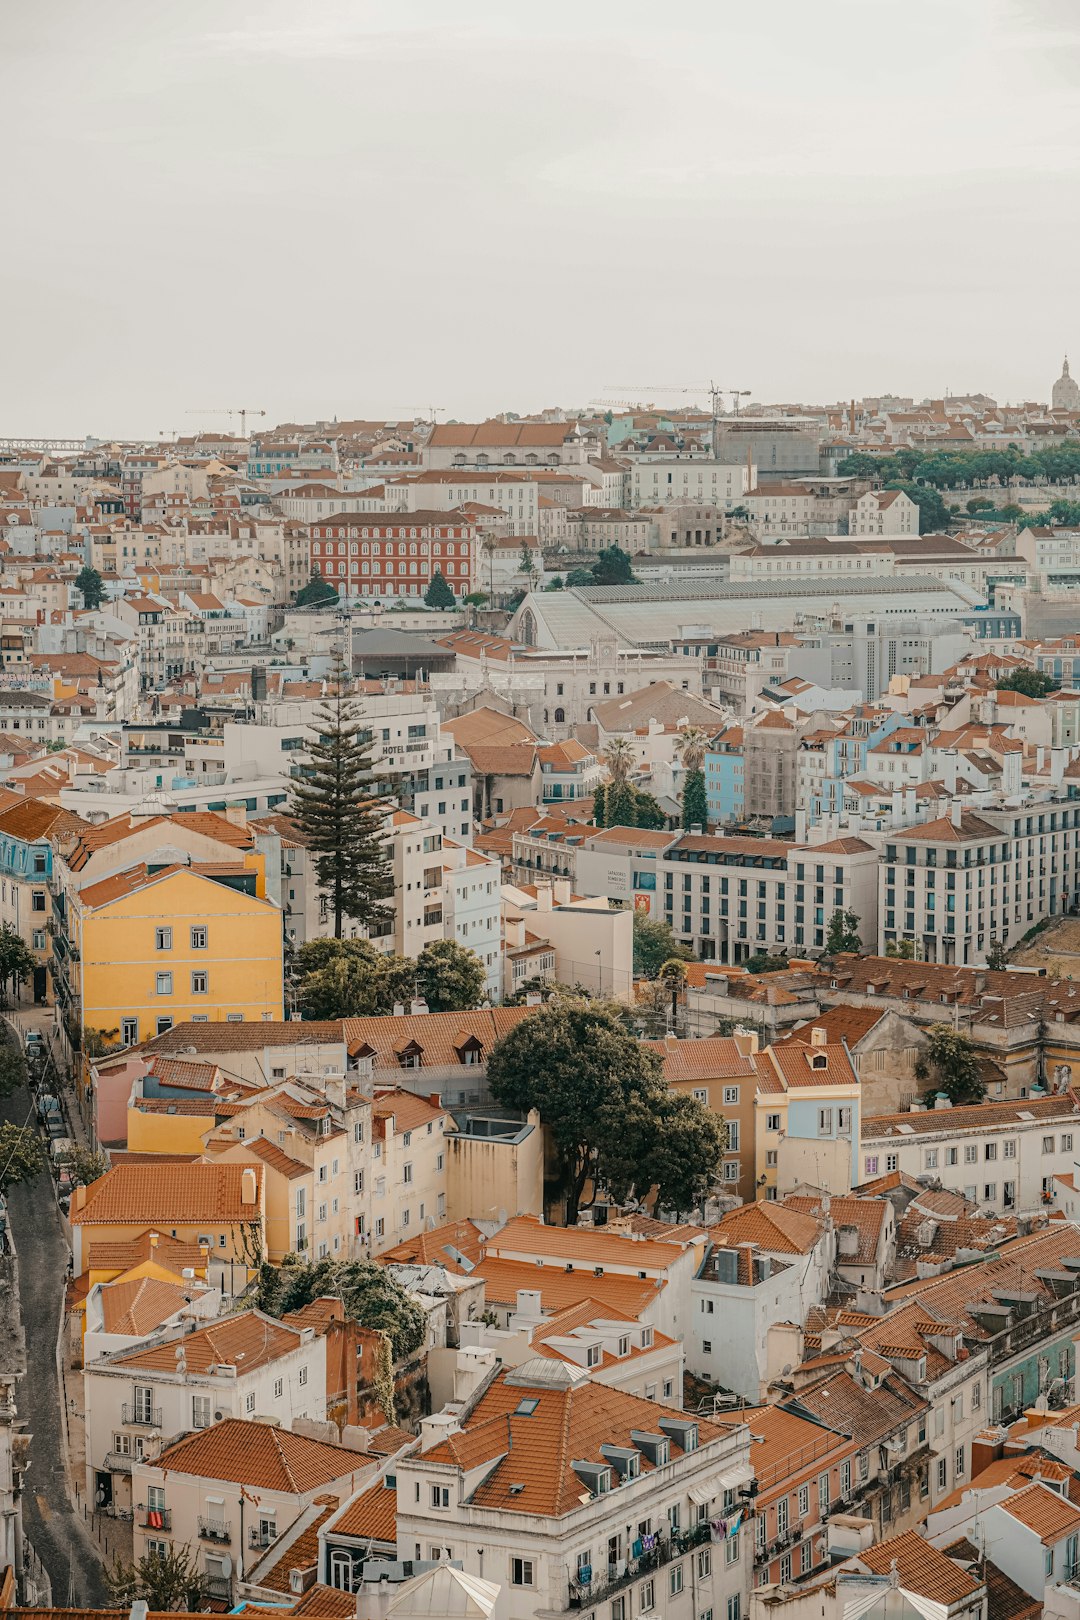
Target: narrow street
<point>53,1527</point>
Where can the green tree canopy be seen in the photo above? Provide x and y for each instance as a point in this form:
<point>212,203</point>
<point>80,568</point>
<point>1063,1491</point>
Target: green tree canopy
<point>655,945</point>
<point>165,1581</point>
<point>84,1166</point>
<point>349,978</point>
<point>950,1063</point>
<point>1031,682</point>
<point>577,577</point>
<point>859,465</point>
<point>600,1092</point>
<point>933,513</point>
<point>688,1144</point>
<point>901,950</point>
<point>695,803</point>
<point>16,959</point>
<point>22,1156</point>
<point>438,593</point>
<point>449,977</point>
<point>842,934</point>
<point>91,586</point>
<point>763,962</point>
<point>316,593</point>
<point>341,819</point>
<point>368,1291</point>
<point>612,567</point>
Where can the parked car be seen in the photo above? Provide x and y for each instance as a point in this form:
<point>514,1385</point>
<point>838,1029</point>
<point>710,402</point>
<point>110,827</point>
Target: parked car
<point>64,1183</point>
<point>35,1044</point>
<point>56,1125</point>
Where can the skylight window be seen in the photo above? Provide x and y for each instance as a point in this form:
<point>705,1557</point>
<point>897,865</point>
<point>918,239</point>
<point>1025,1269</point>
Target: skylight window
<point>527,1407</point>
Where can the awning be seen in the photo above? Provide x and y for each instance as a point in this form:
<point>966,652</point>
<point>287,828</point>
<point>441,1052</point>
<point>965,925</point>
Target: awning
<point>736,1477</point>
<point>705,1492</point>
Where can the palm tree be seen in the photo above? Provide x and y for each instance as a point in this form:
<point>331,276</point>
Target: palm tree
<point>618,757</point>
<point>691,745</point>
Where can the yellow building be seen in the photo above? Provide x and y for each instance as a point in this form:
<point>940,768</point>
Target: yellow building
<point>143,950</point>
<point>220,1208</point>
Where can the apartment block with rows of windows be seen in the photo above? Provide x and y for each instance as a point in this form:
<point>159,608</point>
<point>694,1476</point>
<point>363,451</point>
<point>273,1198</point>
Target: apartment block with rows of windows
<point>959,884</point>
<point>140,1396</point>
<point>729,898</point>
<point>1005,1157</point>
<point>585,1500</point>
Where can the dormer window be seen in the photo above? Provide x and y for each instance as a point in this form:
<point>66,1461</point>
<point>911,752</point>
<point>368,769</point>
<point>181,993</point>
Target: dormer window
<point>819,1061</point>
<point>624,1346</point>
<point>592,1356</point>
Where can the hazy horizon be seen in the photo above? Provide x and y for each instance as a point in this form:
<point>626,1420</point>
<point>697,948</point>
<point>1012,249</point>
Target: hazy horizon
<point>364,211</point>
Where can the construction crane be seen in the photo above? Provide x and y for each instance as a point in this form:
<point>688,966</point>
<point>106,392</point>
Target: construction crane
<point>432,411</point>
<point>714,391</point>
<point>243,412</point>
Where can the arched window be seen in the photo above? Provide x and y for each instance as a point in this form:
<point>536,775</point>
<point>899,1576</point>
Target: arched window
<point>341,1570</point>
<point>560,714</point>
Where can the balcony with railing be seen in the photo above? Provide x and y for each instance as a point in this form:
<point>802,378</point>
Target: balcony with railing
<point>154,1518</point>
<point>217,1530</point>
<point>613,1577</point>
<point>260,1536</point>
<point>142,1417</point>
<point>219,1586</point>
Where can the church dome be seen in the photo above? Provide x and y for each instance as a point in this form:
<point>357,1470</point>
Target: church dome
<point>1066,393</point>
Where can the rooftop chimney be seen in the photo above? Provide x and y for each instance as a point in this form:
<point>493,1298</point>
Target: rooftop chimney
<point>248,1186</point>
<point>819,1036</point>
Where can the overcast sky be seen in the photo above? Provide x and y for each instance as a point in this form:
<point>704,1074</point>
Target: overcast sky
<point>342,208</point>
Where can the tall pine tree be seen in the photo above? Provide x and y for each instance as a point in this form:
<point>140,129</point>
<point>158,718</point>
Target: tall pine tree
<point>341,818</point>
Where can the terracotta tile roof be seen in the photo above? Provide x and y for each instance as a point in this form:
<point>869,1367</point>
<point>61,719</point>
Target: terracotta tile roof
<point>408,1111</point>
<point>274,1157</point>
<point>921,1568</point>
<point>193,1106</point>
<point>34,819</point>
<point>180,1194</point>
<point>489,728</point>
<point>302,1551</point>
<point>225,1037</point>
<point>867,1215</point>
<point>1005,1600</point>
<point>1014,1471</point>
<point>955,1295</point>
<point>526,1235</point>
<point>974,1117</point>
<point>136,1307</point>
<point>252,1337</point>
<point>371,1515</point>
<point>1044,1512</point>
<point>433,1248</point>
<point>776,1228</point>
<point>868,1415</point>
<point>260,1455</point>
<point>795,1064</point>
<point>438,1035</point>
<point>714,1057</point>
<point>787,1447</point>
<point>638,837</point>
<point>532,1452</point>
<point>323,1603</point>
<point>841,1023</point>
<point>503,1279</point>
<point>124,1253</point>
<point>386,1441</point>
<point>185,1074</point>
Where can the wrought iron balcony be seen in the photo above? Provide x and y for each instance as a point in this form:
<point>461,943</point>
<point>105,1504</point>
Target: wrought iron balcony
<point>143,1417</point>
<point>219,1530</point>
<point>154,1518</point>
